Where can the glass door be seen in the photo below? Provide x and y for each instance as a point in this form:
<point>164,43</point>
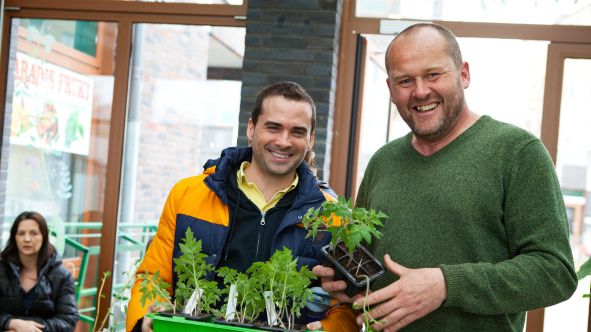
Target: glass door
<point>59,92</point>
<point>183,110</point>
<point>74,105</point>
<point>568,87</point>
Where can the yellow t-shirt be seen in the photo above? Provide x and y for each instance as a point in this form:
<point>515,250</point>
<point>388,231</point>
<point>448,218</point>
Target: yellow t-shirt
<point>254,193</point>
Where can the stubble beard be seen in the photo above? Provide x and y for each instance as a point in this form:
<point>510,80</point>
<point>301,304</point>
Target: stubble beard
<point>445,124</point>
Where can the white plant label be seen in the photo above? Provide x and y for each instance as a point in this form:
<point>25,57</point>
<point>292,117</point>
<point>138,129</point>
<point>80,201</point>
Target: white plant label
<point>270,306</point>
<point>192,303</point>
<point>232,299</point>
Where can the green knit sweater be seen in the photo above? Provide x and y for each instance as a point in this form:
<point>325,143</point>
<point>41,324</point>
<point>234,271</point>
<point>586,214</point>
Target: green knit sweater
<point>487,209</point>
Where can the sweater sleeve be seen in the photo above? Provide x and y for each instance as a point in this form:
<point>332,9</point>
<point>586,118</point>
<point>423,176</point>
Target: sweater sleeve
<point>540,270</point>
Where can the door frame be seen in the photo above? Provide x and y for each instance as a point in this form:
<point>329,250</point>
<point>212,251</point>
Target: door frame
<point>124,14</point>
<point>557,53</point>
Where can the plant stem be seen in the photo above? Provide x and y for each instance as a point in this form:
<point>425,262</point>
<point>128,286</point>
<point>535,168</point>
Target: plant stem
<point>98,305</point>
<point>358,267</point>
<point>196,281</point>
<point>366,317</point>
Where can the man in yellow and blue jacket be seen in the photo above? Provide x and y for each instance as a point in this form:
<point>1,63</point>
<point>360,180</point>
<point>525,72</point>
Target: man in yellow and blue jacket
<point>248,203</point>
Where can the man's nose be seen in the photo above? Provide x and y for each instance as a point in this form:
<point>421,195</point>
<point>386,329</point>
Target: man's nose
<point>284,139</point>
<point>421,89</point>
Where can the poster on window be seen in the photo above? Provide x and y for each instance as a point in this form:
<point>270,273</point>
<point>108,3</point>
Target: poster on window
<point>51,106</point>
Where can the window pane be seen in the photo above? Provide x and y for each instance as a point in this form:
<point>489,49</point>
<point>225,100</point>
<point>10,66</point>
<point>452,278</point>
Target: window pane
<point>509,86</point>
<point>560,12</point>
<point>380,121</point>
<point>183,110</point>
<point>54,149</point>
<point>573,165</point>
<point>80,35</point>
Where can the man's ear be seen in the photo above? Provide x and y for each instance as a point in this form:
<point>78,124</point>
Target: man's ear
<point>465,75</point>
<point>250,130</point>
<point>311,145</point>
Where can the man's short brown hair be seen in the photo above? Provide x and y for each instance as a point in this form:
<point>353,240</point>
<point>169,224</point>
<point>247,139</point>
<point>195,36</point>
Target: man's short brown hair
<point>288,90</point>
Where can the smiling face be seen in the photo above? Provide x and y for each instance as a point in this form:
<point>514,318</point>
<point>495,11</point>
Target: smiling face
<point>28,238</point>
<point>425,84</point>
<point>281,137</point>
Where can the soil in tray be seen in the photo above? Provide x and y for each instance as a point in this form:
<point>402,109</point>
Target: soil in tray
<point>360,265</point>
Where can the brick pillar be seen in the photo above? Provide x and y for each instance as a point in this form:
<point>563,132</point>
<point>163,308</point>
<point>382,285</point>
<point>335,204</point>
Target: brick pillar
<point>294,40</point>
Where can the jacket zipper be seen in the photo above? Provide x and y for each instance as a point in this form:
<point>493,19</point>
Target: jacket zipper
<point>261,226</point>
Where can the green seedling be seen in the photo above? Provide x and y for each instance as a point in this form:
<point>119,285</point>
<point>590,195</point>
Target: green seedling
<point>192,268</point>
<point>347,224</point>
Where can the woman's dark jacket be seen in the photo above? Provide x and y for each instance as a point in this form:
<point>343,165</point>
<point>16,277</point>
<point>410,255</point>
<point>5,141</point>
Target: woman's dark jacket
<point>54,304</point>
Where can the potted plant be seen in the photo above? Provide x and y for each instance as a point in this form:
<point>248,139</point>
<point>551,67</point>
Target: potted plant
<point>349,226</point>
<point>245,301</point>
<point>285,288</point>
<point>154,288</point>
<point>197,294</point>
<point>276,286</point>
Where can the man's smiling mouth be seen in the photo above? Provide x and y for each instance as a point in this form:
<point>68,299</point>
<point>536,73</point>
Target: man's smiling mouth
<point>280,155</point>
<point>426,108</point>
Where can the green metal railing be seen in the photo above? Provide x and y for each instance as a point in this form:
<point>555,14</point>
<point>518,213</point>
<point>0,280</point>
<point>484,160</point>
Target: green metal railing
<point>132,237</point>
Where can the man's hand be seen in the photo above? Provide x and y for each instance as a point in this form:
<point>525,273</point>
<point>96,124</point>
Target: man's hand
<point>20,325</point>
<point>314,326</point>
<point>414,295</point>
<point>147,323</point>
<point>336,289</point>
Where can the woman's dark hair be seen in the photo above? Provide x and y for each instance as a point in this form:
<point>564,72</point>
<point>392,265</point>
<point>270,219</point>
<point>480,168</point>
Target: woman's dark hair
<point>10,253</point>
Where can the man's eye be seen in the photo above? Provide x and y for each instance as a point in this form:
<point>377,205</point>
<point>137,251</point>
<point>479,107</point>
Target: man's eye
<point>433,76</point>
<point>405,83</point>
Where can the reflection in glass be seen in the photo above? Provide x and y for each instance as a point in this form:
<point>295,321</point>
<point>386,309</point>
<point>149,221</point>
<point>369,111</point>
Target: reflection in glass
<point>79,35</point>
<point>54,152</point>
<point>559,12</point>
<point>183,109</point>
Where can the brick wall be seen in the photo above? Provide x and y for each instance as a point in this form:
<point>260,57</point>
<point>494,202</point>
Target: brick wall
<point>297,41</point>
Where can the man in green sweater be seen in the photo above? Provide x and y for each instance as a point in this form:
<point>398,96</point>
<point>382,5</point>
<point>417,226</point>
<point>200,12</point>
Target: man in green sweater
<point>477,231</point>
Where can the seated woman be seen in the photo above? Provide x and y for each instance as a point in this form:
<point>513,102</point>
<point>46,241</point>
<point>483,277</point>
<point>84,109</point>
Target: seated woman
<point>36,291</point>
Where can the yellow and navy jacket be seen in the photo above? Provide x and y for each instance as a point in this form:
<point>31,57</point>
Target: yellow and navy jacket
<point>202,204</point>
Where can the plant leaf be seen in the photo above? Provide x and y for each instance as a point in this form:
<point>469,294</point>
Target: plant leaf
<point>585,270</point>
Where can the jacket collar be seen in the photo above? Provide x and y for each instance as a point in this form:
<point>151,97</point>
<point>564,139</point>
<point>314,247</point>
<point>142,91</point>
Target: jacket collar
<point>51,261</point>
